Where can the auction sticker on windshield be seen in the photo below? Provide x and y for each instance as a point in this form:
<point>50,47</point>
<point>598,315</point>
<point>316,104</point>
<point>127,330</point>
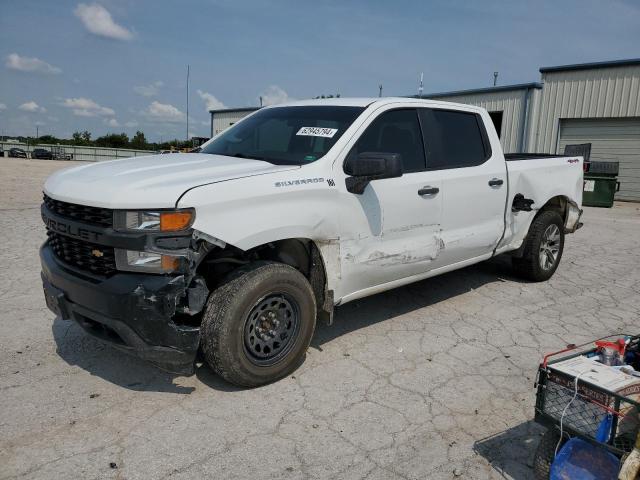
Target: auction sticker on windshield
<point>317,132</point>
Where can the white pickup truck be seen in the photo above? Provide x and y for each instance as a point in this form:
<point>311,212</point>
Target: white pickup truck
<point>236,250</point>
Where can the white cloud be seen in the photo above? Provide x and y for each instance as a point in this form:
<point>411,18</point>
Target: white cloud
<point>98,21</point>
<point>2,107</point>
<point>85,107</point>
<point>30,64</point>
<point>272,95</point>
<point>163,112</point>
<point>148,90</point>
<point>131,124</point>
<point>112,122</point>
<point>210,101</point>
<point>32,107</point>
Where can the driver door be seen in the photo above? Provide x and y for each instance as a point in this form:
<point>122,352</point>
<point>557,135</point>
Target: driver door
<point>392,230</point>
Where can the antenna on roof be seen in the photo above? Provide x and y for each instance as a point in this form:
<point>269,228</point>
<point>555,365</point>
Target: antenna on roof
<point>495,78</point>
<point>421,86</point>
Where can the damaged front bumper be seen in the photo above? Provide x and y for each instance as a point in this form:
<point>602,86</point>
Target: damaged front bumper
<point>133,312</point>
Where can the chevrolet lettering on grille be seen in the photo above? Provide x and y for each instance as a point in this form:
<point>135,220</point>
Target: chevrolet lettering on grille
<point>71,230</point>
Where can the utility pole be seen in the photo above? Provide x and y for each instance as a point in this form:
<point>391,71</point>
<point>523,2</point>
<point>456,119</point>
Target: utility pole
<point>187,103</point>
<point>421,86</point>
<point>380,92</point>
<point>495,78</point>
<point>37,133</point>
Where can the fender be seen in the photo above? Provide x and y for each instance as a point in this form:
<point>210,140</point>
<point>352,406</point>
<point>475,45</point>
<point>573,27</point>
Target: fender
<point>254,211</point>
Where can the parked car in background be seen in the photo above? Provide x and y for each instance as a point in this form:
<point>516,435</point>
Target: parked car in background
<point>17,153</point>
<point>42,154</point>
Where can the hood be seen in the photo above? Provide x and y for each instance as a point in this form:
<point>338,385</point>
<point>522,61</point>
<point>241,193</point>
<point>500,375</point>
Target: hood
<point>154,181</point>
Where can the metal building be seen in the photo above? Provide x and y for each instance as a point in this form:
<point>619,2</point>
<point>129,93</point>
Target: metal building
<point>512,109</point>
<point>597,103</point>
<point>223,119</point>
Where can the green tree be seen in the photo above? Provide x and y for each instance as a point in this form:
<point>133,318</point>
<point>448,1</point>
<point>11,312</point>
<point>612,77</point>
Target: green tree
<point>113,140</point>
<point>139,141</point>
<point>82,138</point>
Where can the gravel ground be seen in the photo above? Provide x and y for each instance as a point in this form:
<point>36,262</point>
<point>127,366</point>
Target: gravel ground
<point>433,380</point>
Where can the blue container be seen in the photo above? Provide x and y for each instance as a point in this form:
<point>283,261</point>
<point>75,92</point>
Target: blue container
<point>580,460</point>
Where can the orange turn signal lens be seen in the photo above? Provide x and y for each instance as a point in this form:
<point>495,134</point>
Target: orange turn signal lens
<point>175,221</point>
<point>169,263</point>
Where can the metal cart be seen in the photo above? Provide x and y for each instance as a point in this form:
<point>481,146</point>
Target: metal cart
<point>592,410</point>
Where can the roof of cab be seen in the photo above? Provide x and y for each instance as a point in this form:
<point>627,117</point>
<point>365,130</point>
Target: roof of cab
<point>365,102</point>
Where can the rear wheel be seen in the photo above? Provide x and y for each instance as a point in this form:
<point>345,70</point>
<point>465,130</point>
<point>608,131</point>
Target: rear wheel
<point>543,248</point>
<point>258,325</point>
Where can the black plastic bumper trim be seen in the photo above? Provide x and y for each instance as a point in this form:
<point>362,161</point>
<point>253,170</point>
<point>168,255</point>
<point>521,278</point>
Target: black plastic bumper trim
<point>132,312</point>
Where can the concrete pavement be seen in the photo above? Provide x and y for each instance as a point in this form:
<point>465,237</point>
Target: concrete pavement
<point>433,380</point>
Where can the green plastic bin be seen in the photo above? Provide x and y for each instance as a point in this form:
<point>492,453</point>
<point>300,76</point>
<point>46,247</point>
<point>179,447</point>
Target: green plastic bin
<point>599,190</point>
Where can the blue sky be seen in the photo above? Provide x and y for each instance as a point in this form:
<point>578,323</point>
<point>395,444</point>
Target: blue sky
<point>120,65</point>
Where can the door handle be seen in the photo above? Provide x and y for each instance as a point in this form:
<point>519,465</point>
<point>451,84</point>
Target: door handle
<point>428,190</point>
<point>495,182</point>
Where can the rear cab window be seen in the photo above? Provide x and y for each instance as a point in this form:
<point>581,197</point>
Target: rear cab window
<point>453,139</point>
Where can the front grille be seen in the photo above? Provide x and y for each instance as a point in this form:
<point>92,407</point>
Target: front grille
<point>99,217</point>
<point>82,255</point>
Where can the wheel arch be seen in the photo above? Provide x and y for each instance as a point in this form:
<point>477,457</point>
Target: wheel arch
<point>308,256</point>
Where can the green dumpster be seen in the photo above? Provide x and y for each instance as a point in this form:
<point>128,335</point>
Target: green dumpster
<point>599,190</point>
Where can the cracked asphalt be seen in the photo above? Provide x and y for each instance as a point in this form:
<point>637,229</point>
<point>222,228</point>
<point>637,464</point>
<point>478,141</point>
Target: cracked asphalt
<point>432,380</point>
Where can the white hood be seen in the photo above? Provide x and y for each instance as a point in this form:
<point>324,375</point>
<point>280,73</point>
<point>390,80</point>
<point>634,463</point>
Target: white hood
<point>154,181</point>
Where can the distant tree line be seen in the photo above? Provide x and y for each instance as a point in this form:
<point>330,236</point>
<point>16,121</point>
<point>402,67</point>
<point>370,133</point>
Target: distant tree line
<point>111,140</point>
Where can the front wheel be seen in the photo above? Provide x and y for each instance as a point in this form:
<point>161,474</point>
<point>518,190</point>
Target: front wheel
<point>257,326</point>
<point>542,249</point>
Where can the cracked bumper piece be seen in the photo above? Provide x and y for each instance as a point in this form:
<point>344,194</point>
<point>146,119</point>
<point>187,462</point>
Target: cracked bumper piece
<point>133,312</point>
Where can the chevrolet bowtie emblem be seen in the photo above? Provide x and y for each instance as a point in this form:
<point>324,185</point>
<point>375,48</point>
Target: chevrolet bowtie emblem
<point>97,253</point>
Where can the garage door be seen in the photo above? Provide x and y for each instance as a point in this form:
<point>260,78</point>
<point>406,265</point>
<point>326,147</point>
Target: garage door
<point>612,139</point>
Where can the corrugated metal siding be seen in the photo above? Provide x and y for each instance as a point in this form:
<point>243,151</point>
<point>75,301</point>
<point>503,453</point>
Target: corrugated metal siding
<point>511,103</point>
<point>597,93</point>
<point>612,140</point>
<point>223,120</point>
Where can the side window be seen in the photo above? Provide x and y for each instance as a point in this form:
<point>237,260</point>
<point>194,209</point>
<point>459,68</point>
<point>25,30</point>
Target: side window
<point>452,139</point>
<point>395,131</point>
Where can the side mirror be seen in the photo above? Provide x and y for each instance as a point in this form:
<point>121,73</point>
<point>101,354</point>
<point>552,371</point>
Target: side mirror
<point>368,166</point>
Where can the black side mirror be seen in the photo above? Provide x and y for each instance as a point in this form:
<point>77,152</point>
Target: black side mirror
<point>368,166</point>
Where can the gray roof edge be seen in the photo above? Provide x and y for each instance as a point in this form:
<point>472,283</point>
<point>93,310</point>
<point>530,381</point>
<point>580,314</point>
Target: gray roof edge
<point>588,66</point>
<point>240,109</point>
<point>501,88</point>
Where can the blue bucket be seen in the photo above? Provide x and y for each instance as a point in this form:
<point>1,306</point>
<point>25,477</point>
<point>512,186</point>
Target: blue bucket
<point>581,460</point>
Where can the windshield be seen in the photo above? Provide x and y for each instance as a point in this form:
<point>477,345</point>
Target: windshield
<point>285,135</point>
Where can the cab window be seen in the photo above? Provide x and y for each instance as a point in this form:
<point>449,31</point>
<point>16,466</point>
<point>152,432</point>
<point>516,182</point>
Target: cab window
<point>395,131</point>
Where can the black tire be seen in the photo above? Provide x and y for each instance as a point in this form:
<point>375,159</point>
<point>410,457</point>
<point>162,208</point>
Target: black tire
<point>243,303</point>
<point>545,453</point>
<point>530,266</point>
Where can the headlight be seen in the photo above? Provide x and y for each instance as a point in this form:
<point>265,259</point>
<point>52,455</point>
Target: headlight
<point>154,221</point>
<point>151,262</point>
